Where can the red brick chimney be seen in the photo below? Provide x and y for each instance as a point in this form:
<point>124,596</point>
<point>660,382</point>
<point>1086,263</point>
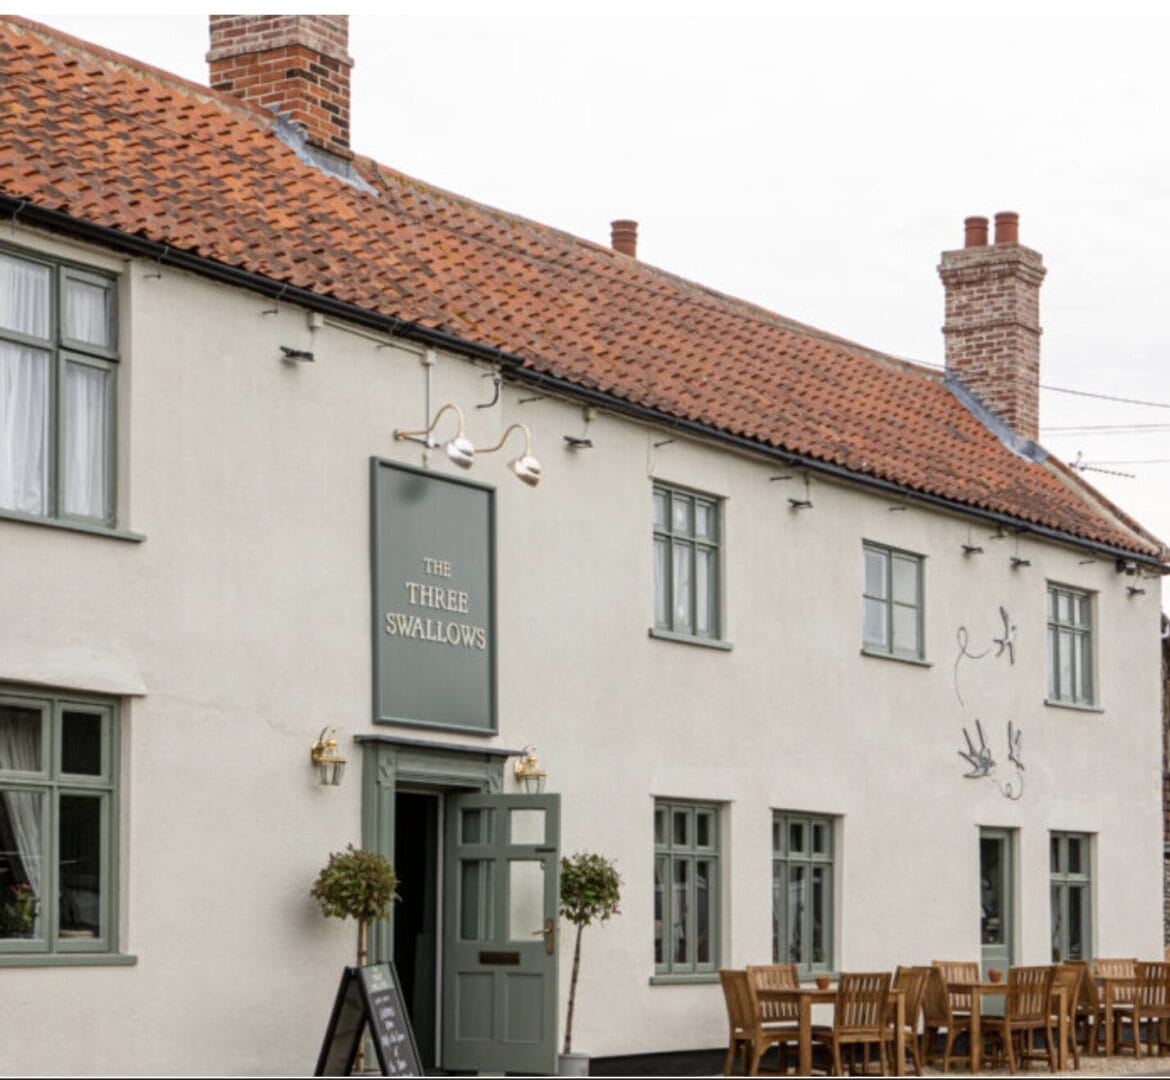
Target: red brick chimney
<point>624,237</point>
<point>295,65</point>
<point>992,326</point>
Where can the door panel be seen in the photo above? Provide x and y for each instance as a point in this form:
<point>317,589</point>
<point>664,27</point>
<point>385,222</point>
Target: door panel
<point>996,898</point>
<point>500,945</point>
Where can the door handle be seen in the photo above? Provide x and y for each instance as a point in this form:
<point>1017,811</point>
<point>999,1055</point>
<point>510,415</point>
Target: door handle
<point>550,936</point>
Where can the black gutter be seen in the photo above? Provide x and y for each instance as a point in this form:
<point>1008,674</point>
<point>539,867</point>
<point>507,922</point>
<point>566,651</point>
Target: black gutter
<point>22,210</point>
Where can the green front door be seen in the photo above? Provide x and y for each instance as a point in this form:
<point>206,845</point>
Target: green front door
<point>996,898</point>
<point>500,942</point>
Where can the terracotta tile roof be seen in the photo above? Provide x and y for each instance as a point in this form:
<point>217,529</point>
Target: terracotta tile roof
<point>106,139</point>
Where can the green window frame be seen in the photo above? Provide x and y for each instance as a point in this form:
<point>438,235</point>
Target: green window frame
<point>59,767</point>
<point>1070,871</point>
<point>803,877</point>
<point>1070,646</point>
<point>686,564</point>
<point>686,888</point>
<point>58,371</point>
<point>892,602</point>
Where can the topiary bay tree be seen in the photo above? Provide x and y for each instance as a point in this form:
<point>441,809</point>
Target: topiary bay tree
<point>356,884</point>
<point>590,892</point>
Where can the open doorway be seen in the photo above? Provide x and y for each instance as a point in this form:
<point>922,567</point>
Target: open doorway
<point>416,915</point>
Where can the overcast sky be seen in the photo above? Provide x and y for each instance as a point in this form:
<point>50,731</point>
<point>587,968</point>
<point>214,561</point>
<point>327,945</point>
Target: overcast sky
<point>815,159</point>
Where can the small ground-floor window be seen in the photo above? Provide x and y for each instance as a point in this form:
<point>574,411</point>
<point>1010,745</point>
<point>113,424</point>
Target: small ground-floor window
<point>58,820</point>
<point>1071,896</point>
<point>686,888</point>
<point>802,891</point>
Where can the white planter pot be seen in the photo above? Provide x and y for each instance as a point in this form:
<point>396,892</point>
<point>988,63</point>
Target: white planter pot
<point>572,1065</point>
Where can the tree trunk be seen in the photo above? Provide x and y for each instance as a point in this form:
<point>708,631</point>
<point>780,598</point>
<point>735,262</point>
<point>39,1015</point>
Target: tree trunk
<point>573,992</point>
<point>359,1062</point>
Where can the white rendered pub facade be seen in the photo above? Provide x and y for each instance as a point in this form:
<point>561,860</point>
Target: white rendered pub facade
<point>812,713</point>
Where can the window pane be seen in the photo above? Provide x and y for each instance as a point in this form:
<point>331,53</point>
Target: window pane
<point>1064,607</point>
<point>682,587</point>
<point>992,891</point>
<point>704,520</point>
<point>778,913</point>
<point>525,898</point>
<point>704,591</point>
<point>661,591</point>
<point>24,429</point>
<point>682,832</point>
<point>820,907</point>
<point>80,866</point>
<point>87,313</point>
<point>704,910</point>
<point>526,826</point>
<point>681,514</point>
<point>1054,854</point>
<point>25,297</point>
<point>87,424</point>
<point>81,744</point>
<point>905,580</point>
<point>875,575</point>
<point>1057,924</point>
<point>875,623</point>
<point>22,843</point>
<point>475,899</point>
<point>796,837</point>
<point>660,514</point>
<point>476,827</point>
<point>1082,611</point>
<point>1053,663</point>
<point>704,833</point>
<point>1083,665</point>
<point>681,949</point>
<point>659,886</point>
<point>906,629</point>
<point>660,827</point>
<point>820,838</point>
<point>1075,864</point>
<point>796,914</point>
<point>777,838</point>
<point>1064,666</point>
<point>1077,921</point>
<point>20,739</point>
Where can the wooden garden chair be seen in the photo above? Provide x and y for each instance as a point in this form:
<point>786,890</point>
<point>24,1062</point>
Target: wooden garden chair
<point>1069,977</point>
<point>748,1036</point>
<point>959,971</point>
<point>779,1017</point>
<point>859,1019</point>
<point>1151,1004</point>
<point>912,982</point>
<point>1120,1004</point>
<point>1087,1016</point>
<point>1027,1010</point>
<point>939,1019</point>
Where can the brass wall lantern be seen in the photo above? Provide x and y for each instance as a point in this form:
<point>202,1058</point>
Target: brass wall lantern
<point>529,775</point>
<point>323,754</point>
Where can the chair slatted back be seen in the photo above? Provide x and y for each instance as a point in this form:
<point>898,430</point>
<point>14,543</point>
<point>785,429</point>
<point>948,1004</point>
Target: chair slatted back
<point>1069,976</point>
<point>912,982</point>
<point>861,1003</point>
<point>1088,999</point>
<point>954,971</point>
<point>1028,993</point>
<point>1153,985</point>
<point>776,977</point>
<point>936,1002</point>
<point>737,998</point>
<point>1118,968</point>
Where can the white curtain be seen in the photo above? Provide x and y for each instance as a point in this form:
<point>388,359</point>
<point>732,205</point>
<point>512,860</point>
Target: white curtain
<point>86,440</point>
<point>86,312</point>
<point>24,428</point>
<point>20,744</point>
<point>24,296</point>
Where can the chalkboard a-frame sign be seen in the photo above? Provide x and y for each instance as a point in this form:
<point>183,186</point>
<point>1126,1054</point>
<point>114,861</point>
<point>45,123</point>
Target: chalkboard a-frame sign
<point>369,995</point>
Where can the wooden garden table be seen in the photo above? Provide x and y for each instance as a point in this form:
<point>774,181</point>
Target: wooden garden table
<point>808,996</point>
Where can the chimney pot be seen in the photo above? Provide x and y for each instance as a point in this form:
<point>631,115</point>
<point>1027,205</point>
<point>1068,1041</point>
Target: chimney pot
<point>1007,227</point>
<point>975,231</point>
<point>624,237</point>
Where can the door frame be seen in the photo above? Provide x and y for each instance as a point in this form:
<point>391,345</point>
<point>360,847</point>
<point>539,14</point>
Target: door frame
<point>1002,956</point>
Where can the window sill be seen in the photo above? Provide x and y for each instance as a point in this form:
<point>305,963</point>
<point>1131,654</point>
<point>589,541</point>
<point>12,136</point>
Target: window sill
<point>67,960</point>
<point>1073,705</point>
<point>71,526</point>
<point>684,980</point>
<point>690,639</point>
<point>916,661</point>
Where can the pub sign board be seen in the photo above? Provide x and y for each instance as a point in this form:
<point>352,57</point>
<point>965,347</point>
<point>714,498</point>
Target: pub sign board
<point>434,602</point>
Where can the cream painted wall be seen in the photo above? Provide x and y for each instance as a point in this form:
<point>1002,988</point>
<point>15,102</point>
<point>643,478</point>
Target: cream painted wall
<point>241,625</point>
